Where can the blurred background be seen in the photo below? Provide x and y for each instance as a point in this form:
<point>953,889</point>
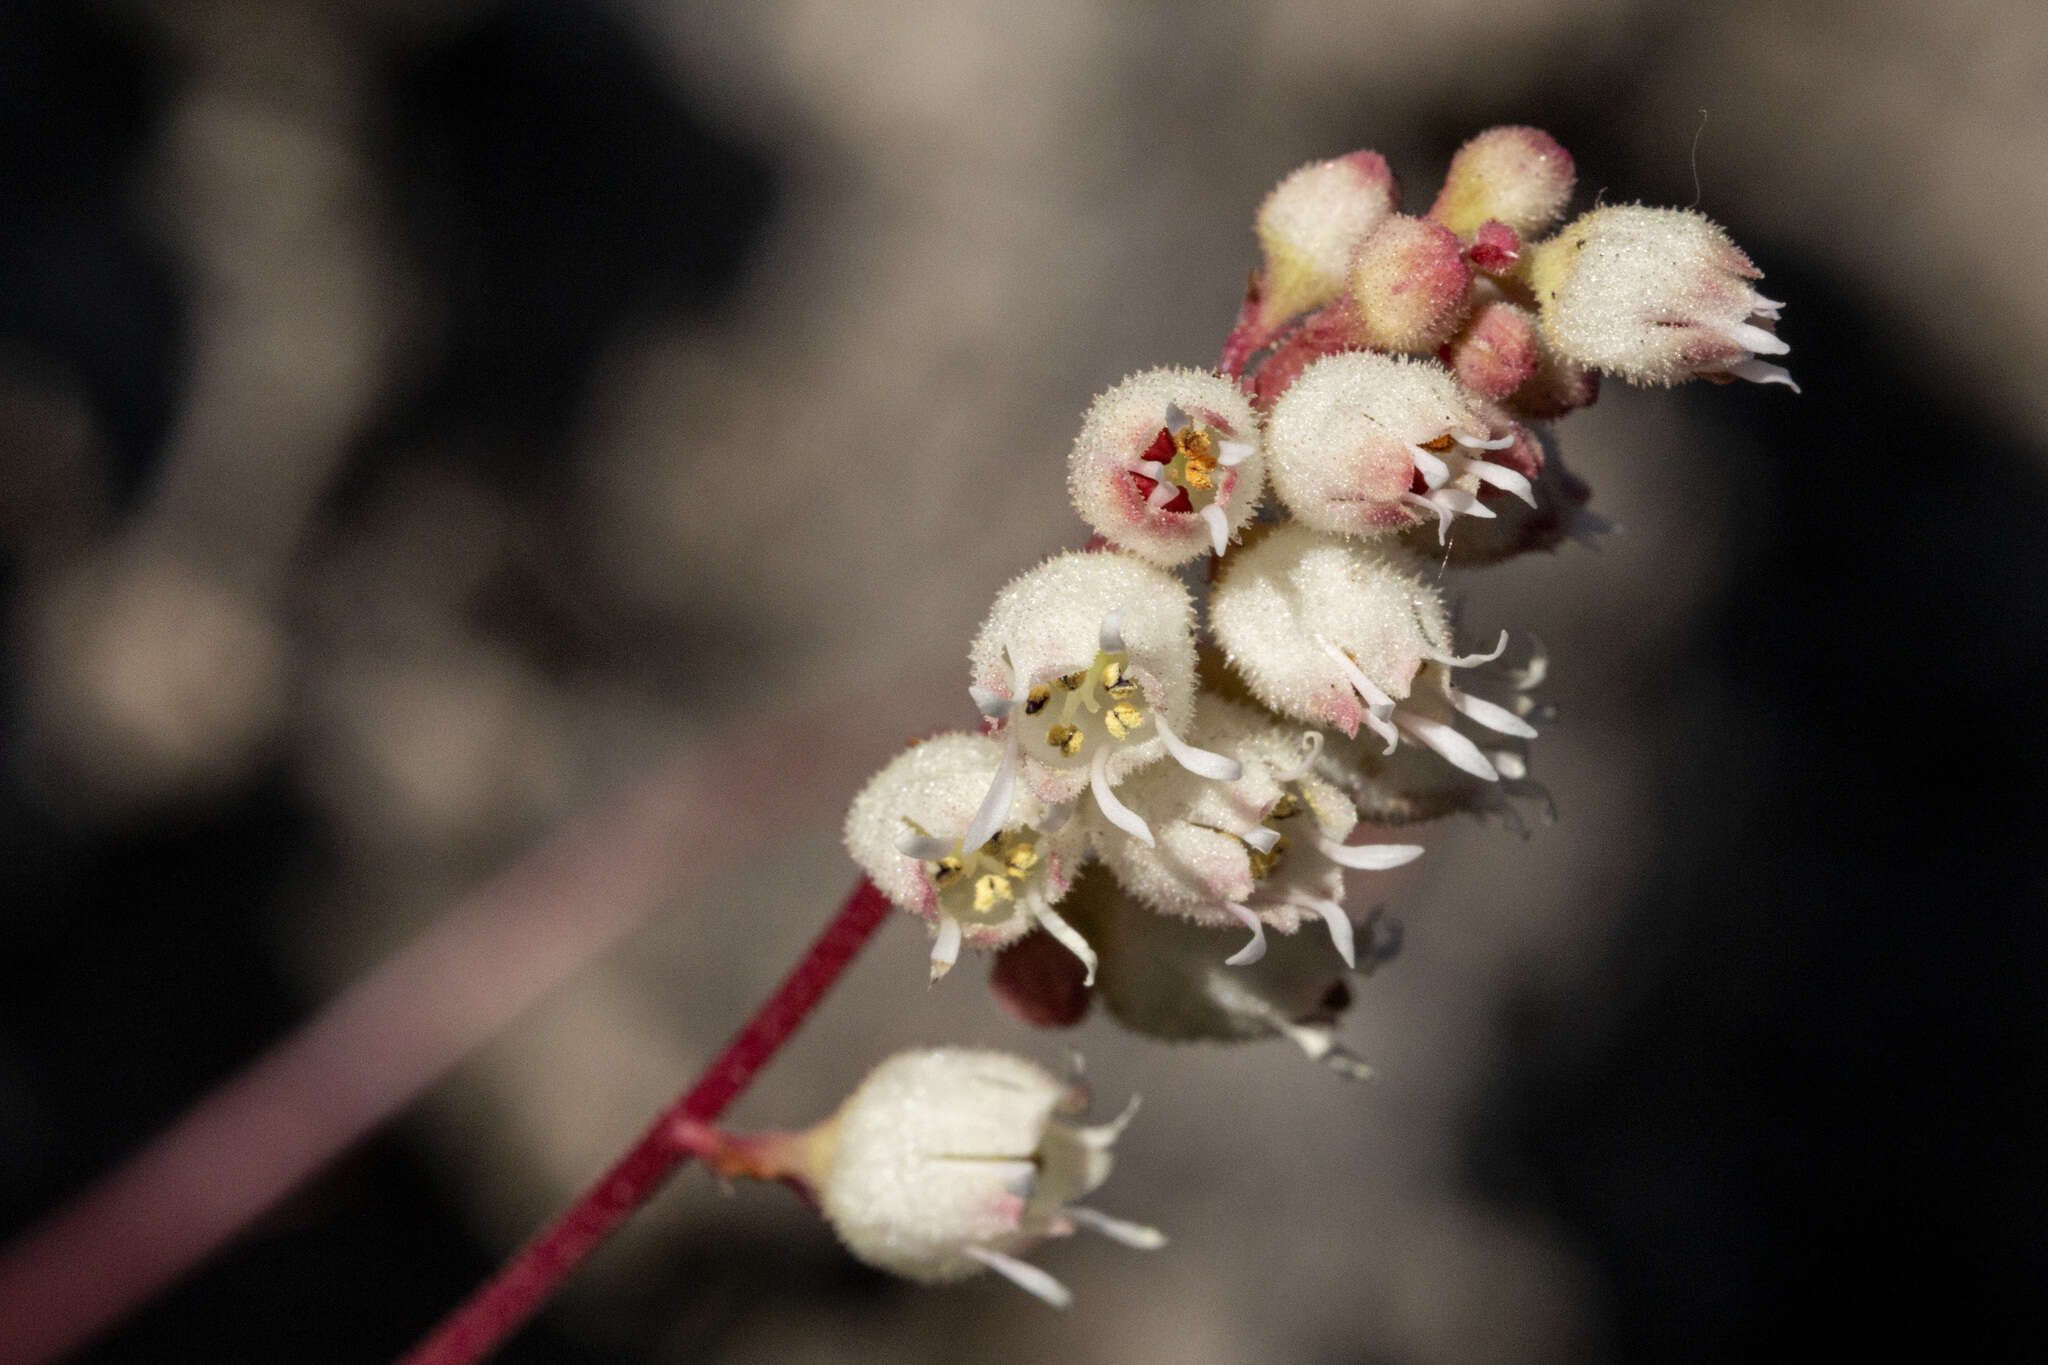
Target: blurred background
<point>421,422</point>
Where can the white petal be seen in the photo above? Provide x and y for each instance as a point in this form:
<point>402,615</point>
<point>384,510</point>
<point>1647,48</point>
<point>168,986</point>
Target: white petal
<point>1025,1276</point>
<point>1476,443</point>
<point>1263,839</point>
<point>1762,372</point>
<point>1219,527</point>
<point>1368,857</point>
<point>1230,454</point>
<point>1460,752</point>
<point>1055,818</point>
<point>1754,339</point>
<point>1443,514</point>
<point>1151,469</point>
<point>1113,810</point>
<point>1176,417</point>
<point>1434,471</point>
<point>1461,503</point>
<point>1069,937</point>
<point>1256,949</point>
<point>1493,717</point>
<point>1763,307</point>
<point>1467,660</point>
<point>1110,636</point>
<point>1200,762</point>
<point>1118,1230</point>
<point>995,807</point>
<point>1162,493</point>
<point>946,947</point>
<point>911,844</point>
<point>1102,1136</point>
<point>1340,926</point>
<point>1500,476</point>
<point>994,705</point>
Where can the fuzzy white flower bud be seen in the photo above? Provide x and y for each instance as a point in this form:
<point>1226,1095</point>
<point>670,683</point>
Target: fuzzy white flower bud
<point>1267,849</point>
<point>1656,296</point>
<point>1167,465</point>
<point>907,827</point>
<point>1410,286</point>
<point>1518,177</point>
<point>1086,665</point>
<point>1365,444</point>
<point>1310,225</point>
<point>948,1162</point>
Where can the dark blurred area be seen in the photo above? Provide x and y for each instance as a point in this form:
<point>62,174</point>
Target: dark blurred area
<point>413,418</point>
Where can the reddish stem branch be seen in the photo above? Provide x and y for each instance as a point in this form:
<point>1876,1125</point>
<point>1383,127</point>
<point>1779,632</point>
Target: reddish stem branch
<point>497,1309</point>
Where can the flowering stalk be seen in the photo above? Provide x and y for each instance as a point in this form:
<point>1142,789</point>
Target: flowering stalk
<point>498,1308</point>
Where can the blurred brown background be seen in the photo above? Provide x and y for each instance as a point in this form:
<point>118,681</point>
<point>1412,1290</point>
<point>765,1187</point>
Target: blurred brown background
<point>418,422</point>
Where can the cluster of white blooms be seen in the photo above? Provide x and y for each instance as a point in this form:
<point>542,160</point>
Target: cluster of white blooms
<point>1190,729</point>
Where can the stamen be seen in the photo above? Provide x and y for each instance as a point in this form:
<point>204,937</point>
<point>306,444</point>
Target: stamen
<point>1262,839</point>
<point>1200,762</point>
<point>1256,949</point>
<point>1467,660</point>
<point>1460,752</point>
<point>1493,717</point>
<point>1219,526</point>
<point>913,843</point>
<point>1368,857</point>
<point>1340,925</point>
<point>1471,442</point>
<point>1500,476</point>
<point>1113,810</point>
<point>1068,937</point>
<point>1121,719</point>
<point>1110,638</point>
<point>1135,1235</point>
<point>1036,698</point>
<point>945,947</point>
<point>1065,738</point>
<point>1024,1275</point>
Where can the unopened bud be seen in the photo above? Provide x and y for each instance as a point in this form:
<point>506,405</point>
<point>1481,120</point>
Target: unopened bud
<point>1496,351</point>
<point>1518,176</point>
<point>1409,285</point>
<point>1310,225</point>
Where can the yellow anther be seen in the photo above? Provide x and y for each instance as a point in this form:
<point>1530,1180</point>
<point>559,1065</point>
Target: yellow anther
<point>1116,682</point>
<point>1036,698</point>
<point>1285,807</point>
<point>1197,449</point>
<point>1065,738</point>
<point>1072,681</point>
<point>948,873</point>
<point>1121,719</point>
<point>1263,863</point>
<point>1021,859</point>
<point>1440,444</point>
<point>990,890</point>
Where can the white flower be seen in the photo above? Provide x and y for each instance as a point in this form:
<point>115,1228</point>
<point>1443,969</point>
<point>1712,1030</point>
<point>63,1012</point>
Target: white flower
<point>1267,849</point>
<point>1365,444</point>
<point>1334,633</point>
<point>907,831</point>
<point>1167,465</point>
<point>1086,666</point>
<point>1656,296</point>
<point>951,1161</point>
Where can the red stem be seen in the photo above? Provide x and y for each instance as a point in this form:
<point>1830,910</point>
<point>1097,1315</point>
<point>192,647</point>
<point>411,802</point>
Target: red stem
<point>502,1304</point>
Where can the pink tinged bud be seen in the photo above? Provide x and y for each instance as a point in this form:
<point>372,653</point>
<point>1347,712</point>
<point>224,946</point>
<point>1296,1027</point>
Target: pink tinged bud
<point>1657,296</point>
<point>1519,177</point>
<point>1557,387</point>
<point>1310,225</point>
<point>1167,465</point>
<point>1495,248</point>
<point>1085,667</point>
<point>907,829</point>
<point>949,1162</point>
<point>1409,286</point>
<point>1365,444</point>
<point>1497,350</point>
<point>1161,977</point>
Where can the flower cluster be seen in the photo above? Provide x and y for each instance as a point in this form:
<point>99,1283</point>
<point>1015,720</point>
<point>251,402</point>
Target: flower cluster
<point>1196,731</point>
